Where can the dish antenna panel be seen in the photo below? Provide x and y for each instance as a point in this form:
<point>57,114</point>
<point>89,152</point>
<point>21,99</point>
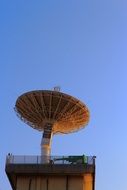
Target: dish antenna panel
<point>51,112</point>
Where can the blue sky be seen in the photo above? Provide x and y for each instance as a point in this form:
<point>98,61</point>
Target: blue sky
<point>81,46</point>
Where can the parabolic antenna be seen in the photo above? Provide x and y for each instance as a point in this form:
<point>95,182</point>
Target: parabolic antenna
<point>51,112</point>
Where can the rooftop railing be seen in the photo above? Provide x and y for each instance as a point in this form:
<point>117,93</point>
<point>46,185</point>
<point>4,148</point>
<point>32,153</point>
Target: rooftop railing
<point>12,159</point>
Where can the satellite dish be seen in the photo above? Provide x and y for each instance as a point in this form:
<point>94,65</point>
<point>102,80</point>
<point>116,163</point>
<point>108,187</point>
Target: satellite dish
<point>52,112</point>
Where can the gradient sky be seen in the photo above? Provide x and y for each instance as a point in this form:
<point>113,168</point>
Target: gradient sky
<point>81,46</point>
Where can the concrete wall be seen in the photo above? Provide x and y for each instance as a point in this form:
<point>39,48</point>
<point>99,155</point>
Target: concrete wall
<point>55,182</point>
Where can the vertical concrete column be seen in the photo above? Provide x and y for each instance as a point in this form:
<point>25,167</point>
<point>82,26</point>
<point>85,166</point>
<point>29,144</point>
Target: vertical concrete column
<point>88,182</point>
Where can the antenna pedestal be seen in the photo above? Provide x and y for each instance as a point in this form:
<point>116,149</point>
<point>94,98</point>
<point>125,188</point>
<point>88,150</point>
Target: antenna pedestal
<point>46,143</point>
